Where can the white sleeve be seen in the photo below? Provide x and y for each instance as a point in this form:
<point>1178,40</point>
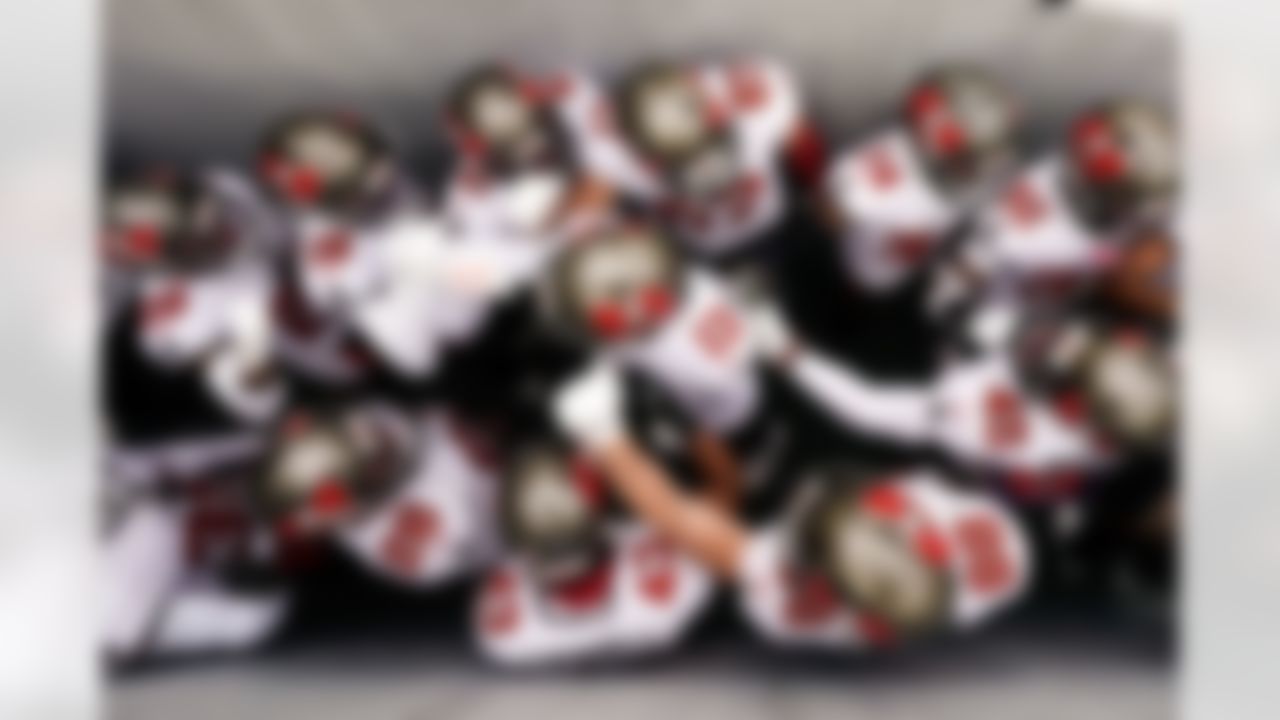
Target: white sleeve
<point>142,563</point>
<point>900,412</point>
<point>213,619</point>
<point>399,324</point>
<point>264,227</point>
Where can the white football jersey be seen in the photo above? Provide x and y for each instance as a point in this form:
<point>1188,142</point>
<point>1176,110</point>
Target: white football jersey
<point>219,322</point>
<point>643,601</point>
<point>977,410</point>
<point>1031,241</point>
<point>987,555</point>
<point>703,356</point>
<point>402,286</point>
<point>440,525</point>
<point>986,418</point>
<point>893,214</point>
<point>328,261</point>
<point>259,231</point>
<point>161,595</point>
<point>523,221</point>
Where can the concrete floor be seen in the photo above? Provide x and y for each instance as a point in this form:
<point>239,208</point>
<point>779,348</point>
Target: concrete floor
<point>1062,669</point>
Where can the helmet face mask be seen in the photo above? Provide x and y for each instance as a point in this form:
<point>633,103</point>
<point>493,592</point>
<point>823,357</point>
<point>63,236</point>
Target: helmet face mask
<point>670,117</point>
<point>1121,163</point>
<point>1051,351</point>
<point>1121,377</point>
<point>501,114</point>
<point>619,285</point>
<point>667,119</point>
<point>500,121</point>
<point>1133,392</point>
<point>875,564</point>
<point>964,124</point>
<point>329,467</point>
<point>551,512</point>
<point>335,163</point>
<point>169,222</point>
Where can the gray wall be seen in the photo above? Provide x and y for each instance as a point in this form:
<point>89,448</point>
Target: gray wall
<point>196,78</point>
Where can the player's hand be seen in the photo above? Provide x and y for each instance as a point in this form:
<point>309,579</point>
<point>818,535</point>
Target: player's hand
<point>771,333</point>
<point>589,407</point>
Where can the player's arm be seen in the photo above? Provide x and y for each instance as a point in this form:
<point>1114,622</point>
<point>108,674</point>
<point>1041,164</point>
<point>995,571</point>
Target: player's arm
<point>589,411</point>
<point>718,468</point>
<point>241,368</point>
<point>900,412</point>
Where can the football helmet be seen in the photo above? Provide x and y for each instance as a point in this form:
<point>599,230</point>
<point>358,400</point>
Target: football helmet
<point>880,557</point>
<point>665,114</point>
<point>507,122</point>
<point>326,466</point>
<point>1121,163</point>
<point>337,162</point>
<point>617,283</point>
<point>164,217</point>
<point>964,124</point>
<point>553,510</point>
<point>1118,377</point>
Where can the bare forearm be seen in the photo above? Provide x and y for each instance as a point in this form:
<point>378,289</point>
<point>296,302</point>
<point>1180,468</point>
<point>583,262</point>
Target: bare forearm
<point>705,531</point>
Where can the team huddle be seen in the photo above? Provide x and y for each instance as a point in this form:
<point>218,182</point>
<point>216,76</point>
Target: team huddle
<point>650,341</point>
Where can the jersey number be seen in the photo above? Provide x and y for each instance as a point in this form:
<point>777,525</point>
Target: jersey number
<point>1024,205</point>
<point>656,560</point>
<point>1006,419</point>
<point>499,612</point>
<point>412,531</point>
<point>718,331</point>
<point>989,569</point>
